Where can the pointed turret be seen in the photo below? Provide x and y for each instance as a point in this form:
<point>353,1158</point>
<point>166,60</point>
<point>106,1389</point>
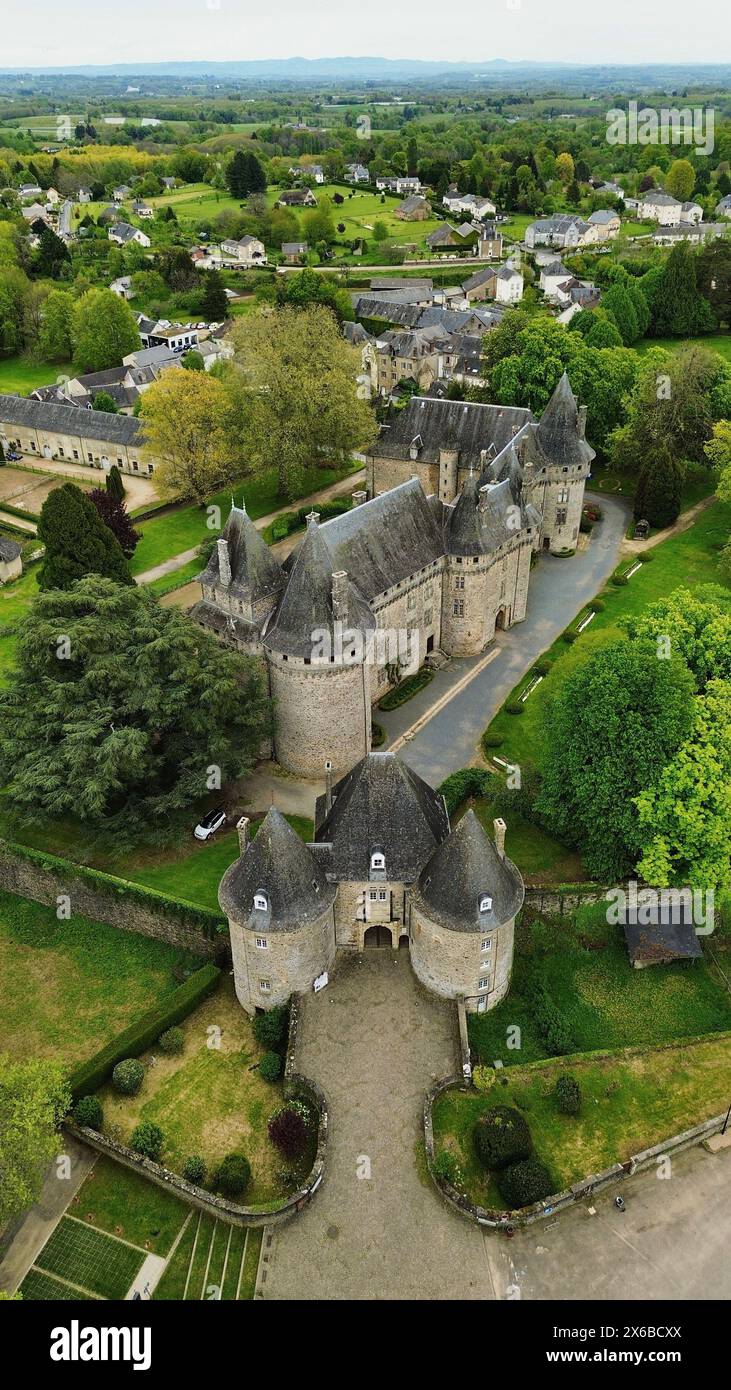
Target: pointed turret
<point>317,596</point>
<point>242,563</point>
<point>277,884</point>
<point>559,432</point>
<point>467,885</point>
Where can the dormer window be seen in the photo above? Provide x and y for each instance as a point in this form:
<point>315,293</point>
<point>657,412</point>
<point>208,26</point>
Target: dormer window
<point>260,902</point>
<point>485,902</point>
<point>378,860</point>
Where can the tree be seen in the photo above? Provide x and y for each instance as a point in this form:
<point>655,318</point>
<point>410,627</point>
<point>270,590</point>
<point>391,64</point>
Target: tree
<point>77,541</point>
<point>677,308</point>
<point>380,230</point>
<point>713,276</point>
<point>300,401</point>
<point>718,450</point>
<point>308,287</point>
<point>189,431</point>
<point>245,175</point>
<point>33,1100</point>
<point>104,402</point>
<point>672,406</point>
<point>319,224</point>
<point>659,492</point>
<point>685,815</point>
<point>104,330</point>
<point>695,625</point>
<point>233,1175</point>
<point>565,168</point>
<point>113,513</point>
<point>177,269</point>
<point>124,730</point>
<point>193,361</point>
<point>617,302</point>
<point>603,333</point>
<point>680,180</point>
<point>52,254</point>
<point>412,156</point>
<point>215,303</point>
<point>502,1136</point>
<point>615,723</point>
<point>114,483</point>
<point>288,1131</point>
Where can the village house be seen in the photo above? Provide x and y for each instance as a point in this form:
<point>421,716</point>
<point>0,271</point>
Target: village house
<point>656,206</point>
<point>399,183</point>
<point>297,198</point>
<point>356,173</point>
<point>694,232</point>
<point>308,171</point>
<point>121,193</point>
<point>30,190</point>
<point>11,563</point>
<point>413,209</point>
<point>83,195</point>
<point>384,867</point>
<point>249,250</point>
<point>508,285</point>
<point>142,210</point>
<point>551,276</point>
<point>606,223</point>
<point>93,437</point>
<point>470,204</point>
<point>122,233</point>
<point>723,207</point>
<point>559,231</point>
<point>481,285</point>
<point>294,252</point>
<point>403,355</point>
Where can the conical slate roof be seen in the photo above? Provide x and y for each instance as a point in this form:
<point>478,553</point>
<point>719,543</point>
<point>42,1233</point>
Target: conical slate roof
<point>381,804</point>
<point>506,465</point>
<point>278,864</point>
<point>558,433</point>
<point>474,529</point>
<point>306,606</point>
<point>254,570</point>
<point>464,867</point>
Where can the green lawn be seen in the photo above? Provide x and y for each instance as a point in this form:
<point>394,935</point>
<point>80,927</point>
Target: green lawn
<point>21,375</point>
<point>605,1003</point>
<point>629,1104</point>
<point>179,530</point>
<point>91,1259</point>
<point>540,858</point>
<point>231,1254</point>
<point>719,342</point>
<point>117,1200</point>
<point>687,559</point>
<point>70,986</point>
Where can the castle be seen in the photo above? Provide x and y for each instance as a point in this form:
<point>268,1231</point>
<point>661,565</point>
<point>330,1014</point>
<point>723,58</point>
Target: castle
<point>462,495</point>
<point>384,868</point>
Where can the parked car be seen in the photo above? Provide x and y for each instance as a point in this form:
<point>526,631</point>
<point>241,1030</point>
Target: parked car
<point>210,823</point>
<point>11,455</point>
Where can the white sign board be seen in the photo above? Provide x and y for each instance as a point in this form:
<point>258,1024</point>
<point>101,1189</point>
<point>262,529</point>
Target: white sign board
<point>320,982</point>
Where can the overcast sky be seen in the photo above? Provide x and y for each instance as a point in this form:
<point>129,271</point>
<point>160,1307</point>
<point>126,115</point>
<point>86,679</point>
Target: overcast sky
<point>41,33</point>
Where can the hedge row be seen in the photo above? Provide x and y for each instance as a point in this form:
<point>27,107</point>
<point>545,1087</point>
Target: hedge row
<point>469,781</point>
<point>406,689</point>
<point>210,924</point>
<point>19,511</point>
<point>142,1034</point>
<point>284,525</point>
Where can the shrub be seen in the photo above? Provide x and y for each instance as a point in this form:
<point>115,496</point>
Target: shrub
<point>570,636</point>
<point>568,1094</point>
<point>542,668</point>
<point>469,781</point>
<point>491,740</point>
<point>378,735</point>
<point>147,1139</point>
<point>194,1170</point>
<point>446,1168</point>
<point>483,1078</point>
<point>552,1025</point>
<point>523,1183</point>
<point>598,605</point>
<point>514,707</point>
<point>233,1175</point>
<point>171,1041</point>
<point>88,1112</point>
<point>288,1130</point>
<point>618,580</point>
<point>501,1137</point>
<point>270,1028</point>
<point>128,1076</point>
<point>270,1066</point>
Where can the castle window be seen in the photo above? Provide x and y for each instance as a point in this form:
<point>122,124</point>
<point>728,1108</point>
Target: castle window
<point>411,599</point>
<point>265,986</point>
<point>459,582</point>
<point>561,514</point>
<point>373,895</point>
<point>563,495</point>
<point>485,902</point>
<point>458,608</point>
<point>382,895</point>
<point>260,902</point>
<point>484,984</point>
<point>262,943</point>
<point>378,860</point>
<point>486,944</point>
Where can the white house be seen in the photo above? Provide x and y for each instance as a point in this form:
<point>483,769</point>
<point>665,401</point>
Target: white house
<point>399,184</point>
<point>308,171</point>
<point>606,223</point>
<point>248,251</point>
<point>356,173</point>
<point>123,191</point>
<point>553,275</point>
<point>122,286</point>
<point>508,285</point>
<point>560,230</point>
<point>83,195</point>
<point>122,233</point>
<point>142,210</point>
<point>656,206</point>
<point>723,208</point>
<point>469,203</point>
<point>30,190</point>
<point>691,212</point>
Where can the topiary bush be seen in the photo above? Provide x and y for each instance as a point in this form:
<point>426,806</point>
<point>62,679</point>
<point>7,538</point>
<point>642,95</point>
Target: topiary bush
<point>88,1112</point>
<point>128,1076</point>
<point>514,707</point>
<point>618,580</point>
<point>492,740</point>
<point>568,1094</point>
<point>288,1130</point>
<point>523,1183</point>
<point>598,605</point>
<point>542,668</point>
<point>171,1041</point>
<point>569,636</point>
<point>194,1170</point>
<point>233,1175</point>
<point>270,1028</point>
<point>270,1066</point>
<point>501,1137</point>
<point>147,1139</point>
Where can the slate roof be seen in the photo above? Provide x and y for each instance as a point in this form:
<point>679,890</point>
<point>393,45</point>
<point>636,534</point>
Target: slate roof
<point>306,605</point>
<point>9,550</point>
<point>381,804</point>
<point>399,282</point>
<point>483,518</point>
<point>480,278</point>
<point>280,865</point>
<point>254,570</point>
<point>463,425</point>
<point>602,216</point>
<point>384,541</point>
<point>556,439</point>
<point>462,868</point>
<point>669,936</point>
<point>370,307</point>
<point>67,419</point>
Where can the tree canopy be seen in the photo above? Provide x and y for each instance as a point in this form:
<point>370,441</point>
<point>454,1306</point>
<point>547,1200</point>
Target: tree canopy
<point>77,541</point>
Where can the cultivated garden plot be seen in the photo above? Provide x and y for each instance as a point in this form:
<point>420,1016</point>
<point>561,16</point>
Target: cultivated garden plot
<point>93,1260</point>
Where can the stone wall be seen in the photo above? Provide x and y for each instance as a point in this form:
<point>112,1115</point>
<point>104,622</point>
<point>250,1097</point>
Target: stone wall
<point>290,962</point>
<point>452,963</point>
<point>320,713</point>
<point>110,900</point>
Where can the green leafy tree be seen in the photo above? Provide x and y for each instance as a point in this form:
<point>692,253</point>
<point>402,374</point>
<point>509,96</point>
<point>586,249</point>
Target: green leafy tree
<point>695,624</point>
<point>104,402</point>
<point>193,361</point>
<point>685,815</point>
<point>114,482</point>
<point>104,330</point>
<point>190,431</point>
<point>56,338</point>
<point>674,402</point>
<point>319,224</point>
<point>616,722</point>
<point>52,255</point>
<point>618,303</point>
<point>680,180</point>
<point>659,492</point>
<point>122,722</point>
<point>77,541</point>
<point>215,303</point>
<point>34,1098</point>
<point>678,309</point>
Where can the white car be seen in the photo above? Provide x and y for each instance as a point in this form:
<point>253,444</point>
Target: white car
<point>210,824</point>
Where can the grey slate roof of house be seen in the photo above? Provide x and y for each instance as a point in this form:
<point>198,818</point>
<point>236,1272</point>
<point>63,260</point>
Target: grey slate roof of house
<point>483,518</point>
<point>462,868</point>
<point>480,277</point>
<point>278,864</point>
<point>602,216</point>
<point>123,231</point>
<point>399,282</point>
<point>305,607</point>
<point>462,425</point>
<point>254,569</point>
<point>458,320</point>
<point>407,315</point>
<point>67,419</point>
<point>355,333</point>
<point>668,937</point>
<point>386,540</point>
<point>9,550</point>
<point>294,248</point>
<point>381,804</point>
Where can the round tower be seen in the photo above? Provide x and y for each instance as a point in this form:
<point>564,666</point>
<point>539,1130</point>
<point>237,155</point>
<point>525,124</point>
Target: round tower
<point>317,648</point>
<point>463,911</point>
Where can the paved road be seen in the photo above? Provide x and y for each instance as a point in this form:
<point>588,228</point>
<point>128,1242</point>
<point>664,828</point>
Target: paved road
<point>559,589</point>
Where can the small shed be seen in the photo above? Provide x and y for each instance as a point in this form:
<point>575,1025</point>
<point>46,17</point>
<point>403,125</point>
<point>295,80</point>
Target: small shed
<point>659,933</point>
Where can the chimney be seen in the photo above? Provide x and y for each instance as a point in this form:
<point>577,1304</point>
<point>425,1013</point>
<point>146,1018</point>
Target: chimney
<point>340,596</point>
<point>500,827</point>
<point>328,787</point>
<point>224,564</point>
<point>243,828</point>
<point>313,518</point>
<point>359,498</point>
<point>582,422</point>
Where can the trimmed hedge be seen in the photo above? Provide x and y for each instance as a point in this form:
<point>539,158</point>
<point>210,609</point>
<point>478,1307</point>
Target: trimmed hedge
<point>146,1031</point>
<point>209,924</point>
<point>284,525</point>
<point>406,689</point>
<point>524,1183</point>
<point>469,781</point>
<point>501,1137</point>
<point>19,511</point>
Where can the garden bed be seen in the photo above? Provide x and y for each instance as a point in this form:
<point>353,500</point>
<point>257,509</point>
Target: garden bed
<point>406,689</point>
